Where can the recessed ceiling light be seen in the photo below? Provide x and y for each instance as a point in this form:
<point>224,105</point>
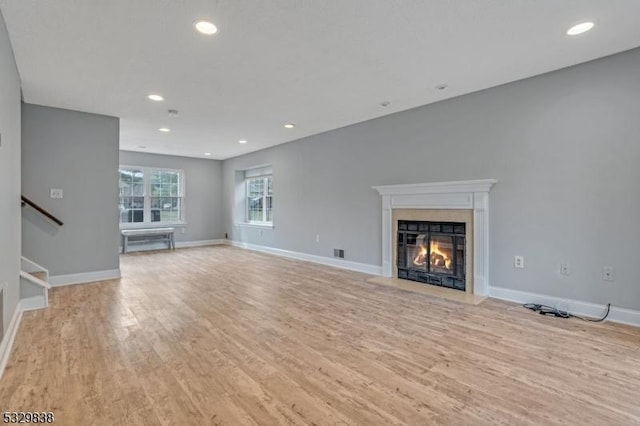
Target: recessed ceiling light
<point>205,27</point>
<point>156,98</point>
<point>442,86</point>
<point>164,129</point>
<point>289,125</point>
<point>207,154</point>
<point>580,28</point>
<point>242,141</point>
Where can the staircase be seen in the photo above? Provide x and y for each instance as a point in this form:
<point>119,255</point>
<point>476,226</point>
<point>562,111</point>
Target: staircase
<point>34,279</point>
<point>34,294</point>
<point>34,285</point>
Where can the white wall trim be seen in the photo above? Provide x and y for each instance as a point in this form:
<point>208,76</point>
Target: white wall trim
<point>337,263</point>
<point>9,337</point>
<point>152,225</point>
<point>466,194</point>
<point>84,277</point>
<point>620,315</point>
<point>27,304</point>
<point>33,303</point>
<point>452,187</point>
<point>254,225</point>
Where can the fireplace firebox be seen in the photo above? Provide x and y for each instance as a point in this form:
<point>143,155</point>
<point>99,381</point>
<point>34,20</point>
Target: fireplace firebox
<point>432,253</point>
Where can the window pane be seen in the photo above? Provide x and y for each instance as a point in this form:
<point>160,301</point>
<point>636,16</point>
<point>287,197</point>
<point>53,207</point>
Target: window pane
<point>165,197</point>
<point>131,216</point>
<point>165,183</point>
<point>269,204</point>
<point>131,202</point>
<point>131,187</point>
<point>269,199</point>
<point>259,199</point>
<point>131,209</point>
<point>255,209</point>
<point>131,182</point>
<point>255,195</point>
<point>137,189</point>
<point>166,209</point>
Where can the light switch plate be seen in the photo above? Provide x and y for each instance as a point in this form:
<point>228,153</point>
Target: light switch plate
<point>56,193</point>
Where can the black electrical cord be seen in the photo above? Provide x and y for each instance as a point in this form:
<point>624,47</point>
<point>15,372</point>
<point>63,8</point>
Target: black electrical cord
<point>606,314</point>
<point>550,310</point>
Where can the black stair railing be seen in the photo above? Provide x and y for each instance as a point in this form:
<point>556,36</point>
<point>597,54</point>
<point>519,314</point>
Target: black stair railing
<point>40,210</point>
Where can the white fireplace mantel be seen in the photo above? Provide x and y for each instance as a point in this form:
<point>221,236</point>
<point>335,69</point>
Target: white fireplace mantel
<point>469,194</point>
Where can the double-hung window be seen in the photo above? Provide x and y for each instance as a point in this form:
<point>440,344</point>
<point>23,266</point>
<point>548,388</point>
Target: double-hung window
<point>151,195</point>
<point>259,190</point>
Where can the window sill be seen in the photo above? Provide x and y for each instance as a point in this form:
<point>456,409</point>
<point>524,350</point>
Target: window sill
<point>140,225</point>
<point>255,225</point>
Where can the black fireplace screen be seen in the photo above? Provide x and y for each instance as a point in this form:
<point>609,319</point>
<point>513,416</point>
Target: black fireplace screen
<point>432,252</point>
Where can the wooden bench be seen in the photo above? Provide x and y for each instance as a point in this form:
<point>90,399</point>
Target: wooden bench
<point>147,235</point>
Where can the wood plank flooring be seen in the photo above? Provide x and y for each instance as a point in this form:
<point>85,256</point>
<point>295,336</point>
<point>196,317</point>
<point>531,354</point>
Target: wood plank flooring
<point>220,335</point>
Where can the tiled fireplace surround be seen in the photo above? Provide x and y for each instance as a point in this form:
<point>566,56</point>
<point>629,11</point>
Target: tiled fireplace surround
<point>459,201</point>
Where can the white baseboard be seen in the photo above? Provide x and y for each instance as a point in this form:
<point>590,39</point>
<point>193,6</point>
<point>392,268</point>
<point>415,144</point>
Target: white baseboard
<point>9,337</point>
<point>620,315</point>
<point>84,277</point>
<point>337,263</point>
<point>201,243</point>
<point>27,304</point>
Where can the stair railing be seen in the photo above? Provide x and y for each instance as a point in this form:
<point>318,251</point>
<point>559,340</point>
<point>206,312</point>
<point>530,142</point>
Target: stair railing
<point>40,210</point>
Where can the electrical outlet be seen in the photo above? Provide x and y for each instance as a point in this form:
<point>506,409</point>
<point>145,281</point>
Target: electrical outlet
<point>317,238</point>
<point>55,193</point>
<point>518,261</point>
<point>607,273</point>
<point>565,269</point>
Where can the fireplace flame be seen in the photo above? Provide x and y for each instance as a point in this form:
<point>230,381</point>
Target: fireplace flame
<point>439,258</point>
<point>420,258</point>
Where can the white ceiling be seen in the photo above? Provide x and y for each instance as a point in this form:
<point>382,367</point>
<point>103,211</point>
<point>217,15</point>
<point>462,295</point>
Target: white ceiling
<point>319,64</point>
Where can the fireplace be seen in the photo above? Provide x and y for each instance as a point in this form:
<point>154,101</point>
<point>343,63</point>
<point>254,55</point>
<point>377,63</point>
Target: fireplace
<point>432,252</point>
<point>441,202</point>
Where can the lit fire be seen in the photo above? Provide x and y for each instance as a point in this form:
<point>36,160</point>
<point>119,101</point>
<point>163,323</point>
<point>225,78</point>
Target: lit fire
<point>439,258</point>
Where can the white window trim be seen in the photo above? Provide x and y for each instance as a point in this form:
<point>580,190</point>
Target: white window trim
<point>150,225</point>
<point>256,223</point>
<point>147,171</point>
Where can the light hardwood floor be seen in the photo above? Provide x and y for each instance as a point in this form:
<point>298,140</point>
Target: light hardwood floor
<point>220,335</point>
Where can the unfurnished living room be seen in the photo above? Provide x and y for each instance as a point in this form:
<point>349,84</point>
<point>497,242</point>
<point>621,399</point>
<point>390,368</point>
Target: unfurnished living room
<point>293,212</point>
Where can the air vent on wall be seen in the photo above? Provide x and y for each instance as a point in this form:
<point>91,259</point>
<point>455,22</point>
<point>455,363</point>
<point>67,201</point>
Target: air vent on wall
<point>338,253</point>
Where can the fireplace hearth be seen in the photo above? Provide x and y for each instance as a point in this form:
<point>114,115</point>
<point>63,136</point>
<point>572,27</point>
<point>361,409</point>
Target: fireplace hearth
<point>432,252</point>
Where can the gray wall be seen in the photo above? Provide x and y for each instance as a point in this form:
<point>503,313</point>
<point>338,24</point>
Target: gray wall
<point>77,152</point>
<point>564,146</point>
<point>203,192</point>
<point>9,176</point>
